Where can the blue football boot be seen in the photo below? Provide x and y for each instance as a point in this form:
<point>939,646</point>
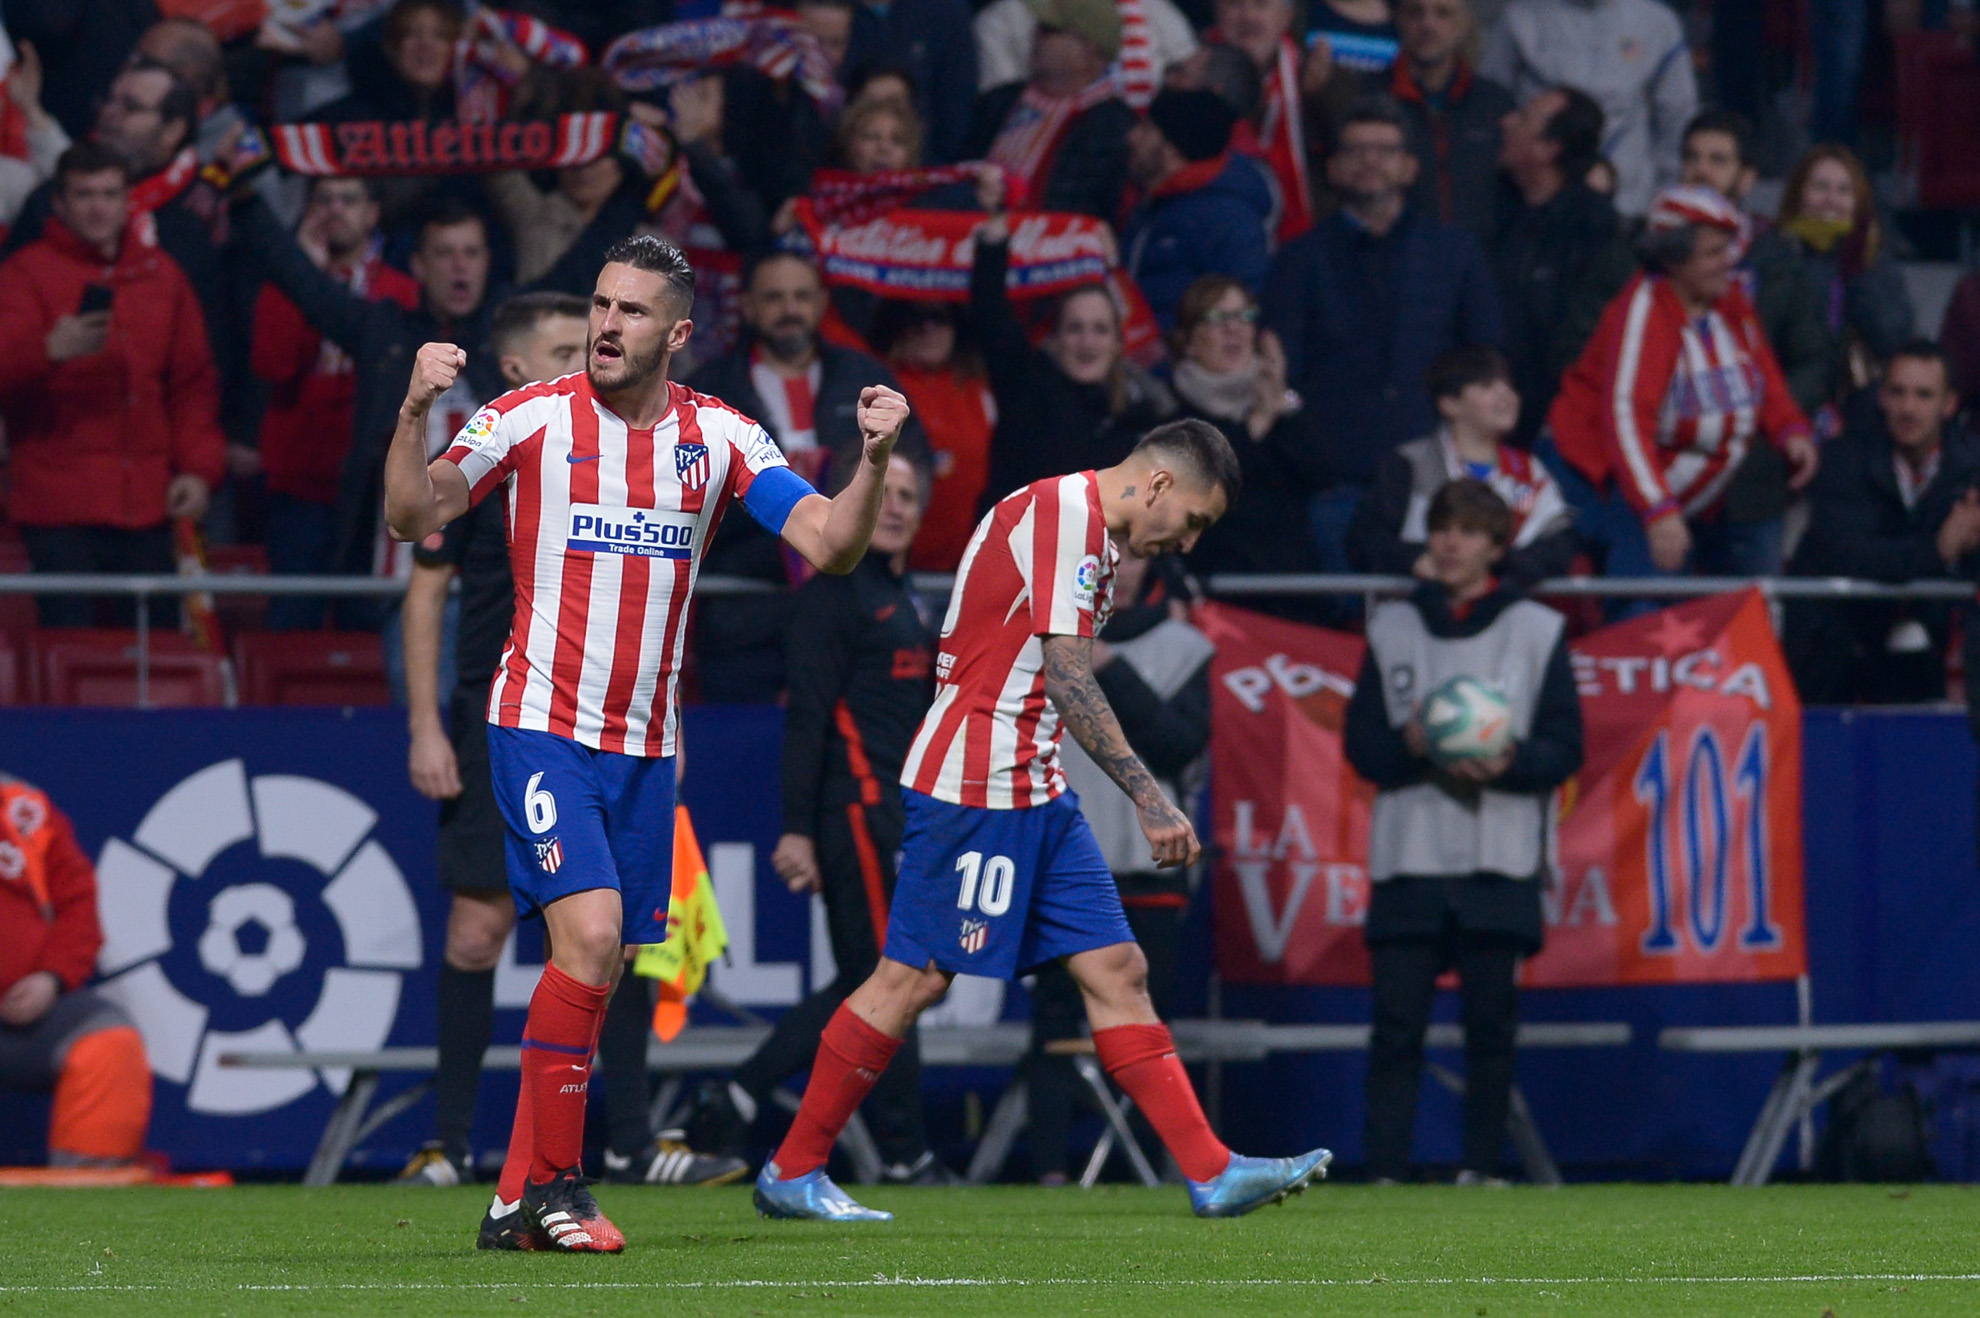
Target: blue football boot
<point>1250,1183</point>
<point>811,1196</point>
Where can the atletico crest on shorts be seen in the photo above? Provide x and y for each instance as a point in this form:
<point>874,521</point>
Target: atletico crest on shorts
<point>550,855</point>
<point>691,465</point>
<point>975,933</point>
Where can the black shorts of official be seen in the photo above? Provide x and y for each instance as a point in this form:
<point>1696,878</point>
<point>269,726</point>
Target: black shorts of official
<point>31,1056</point>
<point>471,832</point>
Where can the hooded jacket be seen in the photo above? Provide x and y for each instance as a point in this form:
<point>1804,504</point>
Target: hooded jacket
<point>97,439</point>
<point>1209,218</point>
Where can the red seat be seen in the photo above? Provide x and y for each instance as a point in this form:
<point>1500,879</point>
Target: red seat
<point>312,668</point>
<point>1938,89</point>
<point>91,666</point>
<point>16,611</point>
<point>10,677</point>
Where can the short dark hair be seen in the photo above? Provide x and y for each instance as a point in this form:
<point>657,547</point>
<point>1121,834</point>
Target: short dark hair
<point>87,157</point>
<point>522,313</point>
<point>1204,447</point>
<point>656,256</point>
<point>1576,128</point>
<point>1457,369</point>
<point>1373,109</point>
<point>1732,124</point>
<point>369,184</point>
<point>1921,349</point>
<point>1233,75</point>
<point>446,212</point>
<point>769,256</point>
<point>1471,505</point>
<point>181,102</point>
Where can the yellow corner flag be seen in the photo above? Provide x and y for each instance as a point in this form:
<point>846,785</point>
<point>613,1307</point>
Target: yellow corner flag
<point>695,934</point>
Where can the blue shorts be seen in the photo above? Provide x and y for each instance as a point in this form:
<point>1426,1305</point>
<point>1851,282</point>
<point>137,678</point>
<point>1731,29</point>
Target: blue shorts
<point>1000,892</point>
<point>578,819</point>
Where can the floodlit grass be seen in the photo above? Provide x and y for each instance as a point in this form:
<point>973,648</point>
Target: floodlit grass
<point>1592,1250</point>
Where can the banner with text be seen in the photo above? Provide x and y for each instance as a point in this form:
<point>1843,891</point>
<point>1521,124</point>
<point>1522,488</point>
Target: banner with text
<point>1679,856</point>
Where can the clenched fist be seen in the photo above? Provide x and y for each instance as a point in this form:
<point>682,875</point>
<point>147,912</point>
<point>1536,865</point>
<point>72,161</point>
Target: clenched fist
<point>882,413</point>
<point>433,373</point>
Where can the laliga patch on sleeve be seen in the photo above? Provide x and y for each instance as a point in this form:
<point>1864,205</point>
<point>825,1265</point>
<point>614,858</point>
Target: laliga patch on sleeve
<point>760,451</point>
<point>480,428</point>
<point>1086,581</point>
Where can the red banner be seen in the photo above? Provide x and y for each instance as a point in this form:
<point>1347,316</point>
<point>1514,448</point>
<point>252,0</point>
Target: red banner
<point>1679,857</point>
<point>926,255</point>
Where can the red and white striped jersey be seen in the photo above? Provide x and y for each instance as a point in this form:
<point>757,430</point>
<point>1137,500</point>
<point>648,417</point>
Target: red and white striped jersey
<point>607,526</point>
<point>1668,404</point>
<point>1040,564</point>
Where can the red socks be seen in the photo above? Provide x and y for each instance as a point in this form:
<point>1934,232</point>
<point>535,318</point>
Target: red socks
<point>851,1056</point>
<point>1142,1060</point>
<point>558,1041</point>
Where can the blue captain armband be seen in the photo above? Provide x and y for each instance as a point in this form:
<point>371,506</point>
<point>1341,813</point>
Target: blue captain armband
<point>772,495</point>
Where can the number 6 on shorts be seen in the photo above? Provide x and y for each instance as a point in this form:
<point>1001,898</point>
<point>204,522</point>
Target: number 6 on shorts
<point>998,878</point>
<point>539,807</point>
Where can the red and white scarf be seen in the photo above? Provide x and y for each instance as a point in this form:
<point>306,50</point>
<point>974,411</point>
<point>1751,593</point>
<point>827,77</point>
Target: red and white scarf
<point>162,188</point>
<point>1134,67</point>
<point>770,41</point>
<point>1030,137</point>
<point>841,196</point>
<point>1280,140</point>
<point>481,84</point>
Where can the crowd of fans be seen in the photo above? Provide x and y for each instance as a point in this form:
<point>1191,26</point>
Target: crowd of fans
<point>1383,244</point>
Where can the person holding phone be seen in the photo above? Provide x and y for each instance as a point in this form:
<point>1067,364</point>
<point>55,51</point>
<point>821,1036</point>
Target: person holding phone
<point>111,408</point>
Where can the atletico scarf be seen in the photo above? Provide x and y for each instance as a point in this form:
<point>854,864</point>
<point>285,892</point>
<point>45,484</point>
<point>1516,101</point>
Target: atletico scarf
<point>925,256</point>
<point>376,149</point>
<point>840,196</point>
<point>1134,68</point>
<point>160,189</point>
<point>767,40</point>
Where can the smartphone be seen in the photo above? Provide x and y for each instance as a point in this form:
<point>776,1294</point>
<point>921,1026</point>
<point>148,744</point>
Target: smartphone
<point>95,298</point>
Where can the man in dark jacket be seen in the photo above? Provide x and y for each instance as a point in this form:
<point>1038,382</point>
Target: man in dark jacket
<point>1452,115</point>
<point>1718,153</point>
<point>1896,501</point>
<point>1458,847</point>
<point>1559,253</point>
<point>1204,210</point>
<point>1365,301</point>
<point>451,265</point>
<point>1064,132</point>
<point>805,392</point>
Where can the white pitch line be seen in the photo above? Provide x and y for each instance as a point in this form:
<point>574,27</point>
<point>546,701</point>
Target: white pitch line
<point>1804,1279</point>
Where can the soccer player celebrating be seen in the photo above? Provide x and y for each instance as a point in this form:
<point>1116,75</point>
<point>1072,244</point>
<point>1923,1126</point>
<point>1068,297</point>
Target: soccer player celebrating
<point>615,479</point>
<point>999,872</point>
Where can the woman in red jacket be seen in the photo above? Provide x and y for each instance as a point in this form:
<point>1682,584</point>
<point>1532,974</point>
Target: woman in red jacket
<point>54,1033</point>
<point>1677,383</point>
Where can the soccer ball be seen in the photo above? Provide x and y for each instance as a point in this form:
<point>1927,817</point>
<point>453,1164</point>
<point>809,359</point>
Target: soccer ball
<point>1467,719</point>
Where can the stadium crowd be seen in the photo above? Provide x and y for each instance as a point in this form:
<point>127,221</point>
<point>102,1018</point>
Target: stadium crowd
<point>1379,244</point>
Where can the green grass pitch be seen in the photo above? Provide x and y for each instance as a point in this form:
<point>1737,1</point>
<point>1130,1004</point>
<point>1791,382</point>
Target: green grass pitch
<point>1592,1250</point>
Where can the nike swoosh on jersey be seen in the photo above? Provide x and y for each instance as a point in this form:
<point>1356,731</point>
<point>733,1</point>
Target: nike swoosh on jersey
<point>574,459</point>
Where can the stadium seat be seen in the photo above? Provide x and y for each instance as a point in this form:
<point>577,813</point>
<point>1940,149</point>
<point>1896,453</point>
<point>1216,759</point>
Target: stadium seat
<point>1938,84</point>
<point>92,666</point>
<point>312,668</point>
<point>238,613</point>
<point>10,674</point>
<point>16,611</point>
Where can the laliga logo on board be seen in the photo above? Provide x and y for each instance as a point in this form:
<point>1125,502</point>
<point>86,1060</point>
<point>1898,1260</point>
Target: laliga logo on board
<point>204,856</point>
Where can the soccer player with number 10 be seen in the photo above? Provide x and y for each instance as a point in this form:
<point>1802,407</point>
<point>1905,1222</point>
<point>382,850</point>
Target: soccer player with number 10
<point>999,872</point>
<point>615,479</point>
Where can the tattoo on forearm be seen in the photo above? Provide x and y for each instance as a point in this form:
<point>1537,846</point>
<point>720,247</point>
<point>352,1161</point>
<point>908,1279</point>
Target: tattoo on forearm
<point>1083,707</point>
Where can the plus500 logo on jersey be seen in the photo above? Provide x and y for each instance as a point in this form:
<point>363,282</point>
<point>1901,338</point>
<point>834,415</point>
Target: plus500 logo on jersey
<point>647,532</point>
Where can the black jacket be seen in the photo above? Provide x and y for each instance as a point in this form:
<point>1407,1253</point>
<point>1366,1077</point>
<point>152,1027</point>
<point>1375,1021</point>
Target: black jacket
<point>1047,423</point>
<point>1089,170</point>
<point>740,637</point>
<point>1265,531</point>
<point>1557,266</point>
<point>382,338</point>
<point>861,670</point>
<point>1545,758</point>
<point>1455,138</point>
<point>1859,525</point>
<point>1798,332</point>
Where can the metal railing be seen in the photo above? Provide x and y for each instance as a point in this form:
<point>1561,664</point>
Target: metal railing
<point>143,588</point>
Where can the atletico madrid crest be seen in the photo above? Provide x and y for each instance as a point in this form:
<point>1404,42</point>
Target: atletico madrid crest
<point>691,465</point>
<point>550,855</point>
<point>975,933</point>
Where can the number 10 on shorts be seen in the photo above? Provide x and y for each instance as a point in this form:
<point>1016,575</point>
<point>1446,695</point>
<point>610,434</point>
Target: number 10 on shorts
<point>985,886</point>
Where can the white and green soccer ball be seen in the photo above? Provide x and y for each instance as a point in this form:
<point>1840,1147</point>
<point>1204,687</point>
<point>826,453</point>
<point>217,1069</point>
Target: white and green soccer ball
<point>1467,719</point>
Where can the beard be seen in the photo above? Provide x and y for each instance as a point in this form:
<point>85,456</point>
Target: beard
<point>787,342</point>
<point>629,372</point>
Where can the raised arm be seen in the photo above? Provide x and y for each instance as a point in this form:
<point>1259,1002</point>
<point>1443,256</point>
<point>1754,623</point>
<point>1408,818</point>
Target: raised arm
<point>422,497</point>
<point>832,533</point>
<point>1083,707</point>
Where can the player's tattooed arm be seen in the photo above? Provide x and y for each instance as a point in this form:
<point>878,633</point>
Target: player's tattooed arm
<point>1083,707</point>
